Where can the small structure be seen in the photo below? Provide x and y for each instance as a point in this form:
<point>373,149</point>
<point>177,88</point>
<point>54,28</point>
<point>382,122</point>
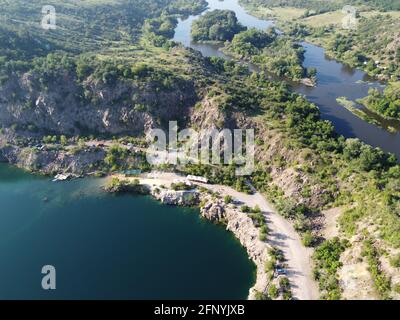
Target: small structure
<point>197,179</point>
<point>61,177</point>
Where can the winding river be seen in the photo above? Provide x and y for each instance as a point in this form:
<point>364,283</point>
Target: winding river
<point>334,80</point>
<point>124,247</point>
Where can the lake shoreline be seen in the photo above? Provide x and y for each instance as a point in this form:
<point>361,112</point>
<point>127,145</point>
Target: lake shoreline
<point>216,211</point>
<point>158,252</point>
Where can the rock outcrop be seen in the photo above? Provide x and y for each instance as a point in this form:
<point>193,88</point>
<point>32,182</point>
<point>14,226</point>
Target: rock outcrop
<point>178,198</point>
<point>53,161</point>
<point>69,107</point>
<point>213,211</point>
<point>244,229</point>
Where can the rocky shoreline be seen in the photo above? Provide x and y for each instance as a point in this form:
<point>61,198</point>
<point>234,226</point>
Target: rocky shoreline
<point>214,209</point>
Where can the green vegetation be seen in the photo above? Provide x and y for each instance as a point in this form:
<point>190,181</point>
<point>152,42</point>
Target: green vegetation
<point>228,199</point>
<point>382,283</point>
<point>83,27</point>
<point>217,25</point>
<point>315,7</point>
<point>373,45</point>
<point>308,239</point>
<point>351,106</point>
<point>395,261</point>
<point>116,185</point>
<point>252,41</point>
<point>118,158</point>
<point>386,104</point>
<point>279,55</point>
<point>273,291</point>
<point>327,257</point>
<point>261,296</point>
<point>285,288</point>
<point>181,186</point>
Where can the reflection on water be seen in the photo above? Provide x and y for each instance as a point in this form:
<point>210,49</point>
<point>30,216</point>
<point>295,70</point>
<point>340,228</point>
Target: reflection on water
<point>334,80</point>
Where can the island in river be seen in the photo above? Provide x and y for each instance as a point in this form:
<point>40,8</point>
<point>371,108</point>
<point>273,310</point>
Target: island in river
<point>87,114</point>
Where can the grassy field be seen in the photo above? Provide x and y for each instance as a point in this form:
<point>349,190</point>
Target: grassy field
<point>285,14</point>
<point>335,18</point>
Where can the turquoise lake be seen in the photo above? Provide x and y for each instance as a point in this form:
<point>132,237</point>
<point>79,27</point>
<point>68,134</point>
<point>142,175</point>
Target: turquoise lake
<point>111,247</point>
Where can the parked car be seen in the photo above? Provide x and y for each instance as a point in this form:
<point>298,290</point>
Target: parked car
<point>281,271</point>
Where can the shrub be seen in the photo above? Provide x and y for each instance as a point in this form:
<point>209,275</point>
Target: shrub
<point>261,296</point>
<point>307,239</point>
<point>273,291</point>
<point>270,265</point>
<point>395,261</point>
<point>228,199</point>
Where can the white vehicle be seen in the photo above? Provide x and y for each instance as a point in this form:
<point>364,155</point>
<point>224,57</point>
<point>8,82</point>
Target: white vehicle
<point>197,179</point>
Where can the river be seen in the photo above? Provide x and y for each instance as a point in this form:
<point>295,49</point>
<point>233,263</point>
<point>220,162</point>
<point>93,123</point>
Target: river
<point>334,80</point>
<point>111,247</point>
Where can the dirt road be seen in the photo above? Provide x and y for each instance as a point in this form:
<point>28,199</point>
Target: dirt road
<point>282,236</point>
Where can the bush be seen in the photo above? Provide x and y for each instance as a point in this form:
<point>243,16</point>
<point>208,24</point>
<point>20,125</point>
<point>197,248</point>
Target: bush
<point>228,199</point>
<point>327,262</point>
<point>270,265</point>
<point>382,283</point>
<point>395,261</point>
<point>261,296</point>
<point>307,239</point>
<point>273,291</point>
<point>181,186</point>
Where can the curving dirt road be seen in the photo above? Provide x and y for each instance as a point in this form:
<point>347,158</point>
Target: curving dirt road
<point>282,235</point>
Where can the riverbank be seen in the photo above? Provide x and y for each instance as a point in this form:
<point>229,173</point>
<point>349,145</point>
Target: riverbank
<point>323,27</point>
<point>333,79</point>
<point>281,235</point>
<point>392,125</point>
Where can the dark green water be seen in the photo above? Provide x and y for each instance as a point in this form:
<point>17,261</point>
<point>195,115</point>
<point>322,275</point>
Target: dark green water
<point>114,247</point>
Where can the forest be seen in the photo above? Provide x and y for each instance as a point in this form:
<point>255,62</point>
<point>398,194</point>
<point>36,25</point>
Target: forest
<point>291,135</point>
<point>373,45</point>
<point>280,55</point>
<point>386,104</point>
<point>217,25</point>
<point>83,27</point>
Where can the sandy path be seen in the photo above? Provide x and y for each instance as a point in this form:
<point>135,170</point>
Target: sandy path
<point>282,235</point>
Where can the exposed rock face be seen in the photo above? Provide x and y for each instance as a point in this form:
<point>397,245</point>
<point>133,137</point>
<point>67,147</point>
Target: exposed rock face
<point>243,227</point>
<point>214,212</point>
<point>207,115</point>
<point>180,198</point>
<point>292,180</point>
<point>239,223</point>
<point>66,107</point>
<point>354,277</point>
<point>50,162</point>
